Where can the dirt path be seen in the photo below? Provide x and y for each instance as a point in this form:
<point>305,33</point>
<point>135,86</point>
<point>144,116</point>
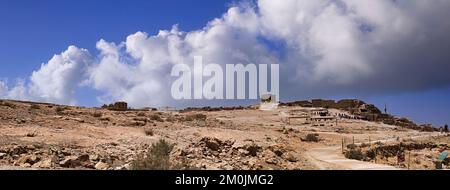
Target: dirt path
<point>332,157</point>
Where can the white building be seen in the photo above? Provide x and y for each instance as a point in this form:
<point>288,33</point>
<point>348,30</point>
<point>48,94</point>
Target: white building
<point>268,102</point>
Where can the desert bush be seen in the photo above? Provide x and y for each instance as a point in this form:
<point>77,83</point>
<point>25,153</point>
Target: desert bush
<point>378,143</point>
<point>351,146</point>
<point>363,145</point>
<point>60,109</point>
<point>148,132</point>
<point>156,117</point>
<point>428,129</point>
<point>355,154</point>
<point>371,154</point>
<point>196,117</point>
<point>35,107</point>
<point>157,157</point>
<point>312,138</point>
<point>8,104</point>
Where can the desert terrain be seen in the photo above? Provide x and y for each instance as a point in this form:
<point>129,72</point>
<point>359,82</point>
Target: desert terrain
<point>47,136</point>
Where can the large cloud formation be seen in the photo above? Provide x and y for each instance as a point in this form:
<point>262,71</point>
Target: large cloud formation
<point>56,80</point>
<point>324,48</point>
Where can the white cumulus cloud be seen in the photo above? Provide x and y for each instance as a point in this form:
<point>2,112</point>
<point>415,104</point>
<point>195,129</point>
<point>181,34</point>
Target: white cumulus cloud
<point>56,80</point>
<point>324,48</point>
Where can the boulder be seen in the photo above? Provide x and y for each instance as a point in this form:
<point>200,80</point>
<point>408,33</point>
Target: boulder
<point>94,157</point>
<point>101,166</point>
<point>70,162</point>
<point>75,161</point>
<point>27,159</point>
<point>46,163</point>
<point>83,158</point>
<point>243,152</point>
<point>289,157</point>
<point>212,143</point>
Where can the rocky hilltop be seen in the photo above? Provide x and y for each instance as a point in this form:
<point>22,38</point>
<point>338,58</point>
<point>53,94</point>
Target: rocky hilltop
<point>49,136</point>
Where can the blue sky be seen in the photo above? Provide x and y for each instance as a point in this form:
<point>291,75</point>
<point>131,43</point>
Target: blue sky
<point>31,32</point>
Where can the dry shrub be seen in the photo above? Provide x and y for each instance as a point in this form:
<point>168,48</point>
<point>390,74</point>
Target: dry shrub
<point>35,107</point>
<point>156,117</point>
<point>351,146</point>
<point>355,154</point>
<point>149,132</point>
<point>8,104</point>
<point>196,117</point>
<point>311,138</point>
<point>60,109</point>
<point>157,158</point>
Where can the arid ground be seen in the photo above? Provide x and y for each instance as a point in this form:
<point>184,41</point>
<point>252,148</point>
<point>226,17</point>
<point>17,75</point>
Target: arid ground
<point>48,136</point>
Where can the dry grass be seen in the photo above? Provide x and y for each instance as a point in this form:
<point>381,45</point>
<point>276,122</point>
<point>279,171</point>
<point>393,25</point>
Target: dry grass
<point>35,107</point>
<point>196,117</point>
<point>156,117</point>
<point>311,138</point>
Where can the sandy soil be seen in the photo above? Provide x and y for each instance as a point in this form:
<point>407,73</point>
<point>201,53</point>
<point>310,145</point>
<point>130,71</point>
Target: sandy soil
<point>46,136</point>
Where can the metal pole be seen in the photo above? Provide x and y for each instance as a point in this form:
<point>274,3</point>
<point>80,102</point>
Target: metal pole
<point>376,152</point>
<point>409,159</point>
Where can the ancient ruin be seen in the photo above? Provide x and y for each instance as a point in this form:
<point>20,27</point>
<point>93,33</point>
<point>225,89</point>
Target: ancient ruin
<point>291,136</point>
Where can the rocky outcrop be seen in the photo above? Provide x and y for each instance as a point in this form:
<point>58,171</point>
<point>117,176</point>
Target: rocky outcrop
<point>213,153</point>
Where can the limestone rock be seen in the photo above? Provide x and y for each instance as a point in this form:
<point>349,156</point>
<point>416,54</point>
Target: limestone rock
<point>101,166</point>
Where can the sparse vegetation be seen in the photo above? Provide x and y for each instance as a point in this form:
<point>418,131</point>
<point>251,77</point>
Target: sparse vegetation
<point>8,104</point>
<point>156,117</point>
<point>35,107</point>
<point>351,146</point>
<point>196,117</point>
<point>59,110</point>
<point>371,154</point>
<point>84,138</point>
<point>148,132</point>
<point>363,145</point>
<point>355,154</point>
<point>378,143</point>
<point>311,138</point>
<point>157,158</point>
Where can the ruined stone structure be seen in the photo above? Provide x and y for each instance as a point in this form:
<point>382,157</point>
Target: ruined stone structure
<point>359,109</point>
<point>118,106</point>
<point>313,116</point>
